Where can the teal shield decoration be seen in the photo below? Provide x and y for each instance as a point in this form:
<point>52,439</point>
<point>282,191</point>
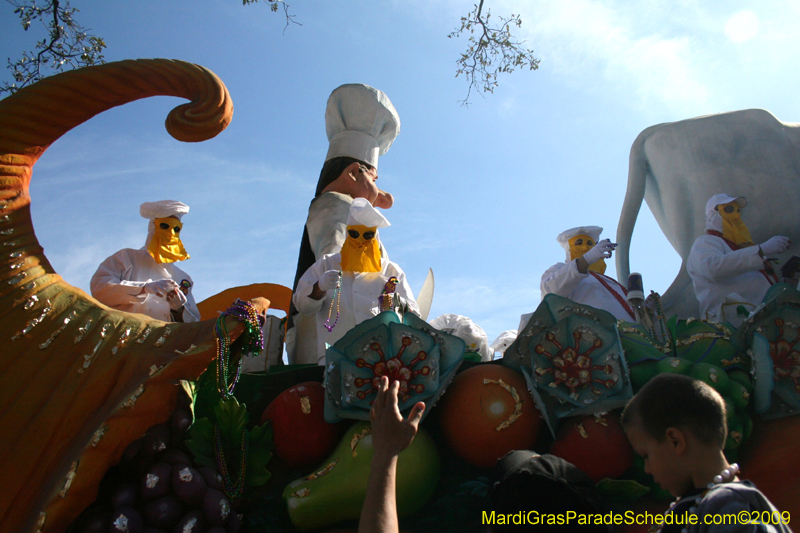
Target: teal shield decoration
<point>423,359</point>
<point>571,356</point>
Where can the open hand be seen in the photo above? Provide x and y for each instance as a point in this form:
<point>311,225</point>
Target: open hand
<point>391,433</point>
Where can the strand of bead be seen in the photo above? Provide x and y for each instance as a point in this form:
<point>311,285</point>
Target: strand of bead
<point>253,341</point>
<point>727,474</point>
<point>337,297</point>
<point>233,489</point>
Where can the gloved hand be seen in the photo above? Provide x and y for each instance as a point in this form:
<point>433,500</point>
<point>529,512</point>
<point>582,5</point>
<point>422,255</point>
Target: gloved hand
<point>599,251</point>
<point>176,299</point>
<point>775,245</point>
<point>160,287</point>
<point>328,280</point>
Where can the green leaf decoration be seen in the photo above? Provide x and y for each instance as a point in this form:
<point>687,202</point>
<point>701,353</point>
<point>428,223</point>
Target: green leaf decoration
<point>232,418</point>
<point>259,455</point>
<point>190,387</point>
<point>206,393</point>
<point>201,442</point>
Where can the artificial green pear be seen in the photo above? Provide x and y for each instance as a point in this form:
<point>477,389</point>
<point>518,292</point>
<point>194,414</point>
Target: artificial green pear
<point>335,491</point>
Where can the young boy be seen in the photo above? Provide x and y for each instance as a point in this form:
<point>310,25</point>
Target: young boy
<point>678,426</point>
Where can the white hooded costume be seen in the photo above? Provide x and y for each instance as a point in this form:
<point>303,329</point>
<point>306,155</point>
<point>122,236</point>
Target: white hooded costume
<point>725,277</point>
<point>591,288</point>
<point>120,280</point>
<point>359,293</point>
<point>360,123</point>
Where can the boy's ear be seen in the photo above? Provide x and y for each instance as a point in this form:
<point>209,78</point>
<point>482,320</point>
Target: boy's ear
<point>677,440</point>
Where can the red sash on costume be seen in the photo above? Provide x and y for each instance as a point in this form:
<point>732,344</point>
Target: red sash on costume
<point>603,279</point>
<point>772,278</point>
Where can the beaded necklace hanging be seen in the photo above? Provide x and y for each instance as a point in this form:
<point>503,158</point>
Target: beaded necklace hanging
<point>253,343</point>
<point>337,298</point>
<point>727,474</point>
<point>233,489</point>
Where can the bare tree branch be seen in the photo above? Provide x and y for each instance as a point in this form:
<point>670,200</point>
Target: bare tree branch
<point>67,46</point>
<point>273,6</point>
<point>492,52</point>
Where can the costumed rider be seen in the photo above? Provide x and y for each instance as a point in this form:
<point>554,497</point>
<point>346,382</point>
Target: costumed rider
<point>349,287</point>
<point>361,124</point>
<point>146,280</point>
<point>582,277</point>
<point>731,275</point>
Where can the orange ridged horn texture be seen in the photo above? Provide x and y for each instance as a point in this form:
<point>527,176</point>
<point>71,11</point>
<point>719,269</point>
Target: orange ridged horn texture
<point>80,381</point>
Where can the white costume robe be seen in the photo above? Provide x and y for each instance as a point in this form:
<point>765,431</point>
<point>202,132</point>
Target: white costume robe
<point>564,279</point>
<point>327,231</point>
<point>359,297</point>
<point>724,278</point>
<point>119,280</point>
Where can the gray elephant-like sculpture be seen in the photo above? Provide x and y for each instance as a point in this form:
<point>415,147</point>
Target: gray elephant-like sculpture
<point>678,166</point>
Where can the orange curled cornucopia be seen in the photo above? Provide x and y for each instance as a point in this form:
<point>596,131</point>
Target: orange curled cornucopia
<point>79,381</point>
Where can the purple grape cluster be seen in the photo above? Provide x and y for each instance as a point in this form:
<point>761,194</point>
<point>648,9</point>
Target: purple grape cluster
<point>156,488</point>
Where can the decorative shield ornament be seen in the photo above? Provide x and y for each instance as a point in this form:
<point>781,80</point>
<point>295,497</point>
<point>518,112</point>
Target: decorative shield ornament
<point>421,358</point>
<point>772,336</point>
<point>572,358</point>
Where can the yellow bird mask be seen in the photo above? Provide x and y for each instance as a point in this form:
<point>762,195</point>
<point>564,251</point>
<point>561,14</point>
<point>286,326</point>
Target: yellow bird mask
<point>166,245</point>
<point>361,251</point>
<point>579,245</point>
<point>733,227</point>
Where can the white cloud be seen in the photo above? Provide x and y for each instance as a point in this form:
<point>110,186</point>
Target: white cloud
<point>615,45</point>
<point>742,26</point>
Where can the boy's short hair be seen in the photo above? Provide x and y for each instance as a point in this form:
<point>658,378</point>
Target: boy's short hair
<point>674,400</point>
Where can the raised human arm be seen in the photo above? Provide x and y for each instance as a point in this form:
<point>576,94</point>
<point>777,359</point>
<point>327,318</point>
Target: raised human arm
<point>391,434</point>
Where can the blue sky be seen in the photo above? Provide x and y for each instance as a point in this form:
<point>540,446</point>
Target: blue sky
<point>480,192</point>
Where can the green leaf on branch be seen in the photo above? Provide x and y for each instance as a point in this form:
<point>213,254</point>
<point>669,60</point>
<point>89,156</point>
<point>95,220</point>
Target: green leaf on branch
<point>497,51</point>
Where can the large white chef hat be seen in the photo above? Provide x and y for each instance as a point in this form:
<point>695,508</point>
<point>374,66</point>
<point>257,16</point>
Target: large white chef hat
<point>362,213</point>
<point>162,209</point>
<point>564,237</point>
<point>713,218</point>
<point>361,123</point>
